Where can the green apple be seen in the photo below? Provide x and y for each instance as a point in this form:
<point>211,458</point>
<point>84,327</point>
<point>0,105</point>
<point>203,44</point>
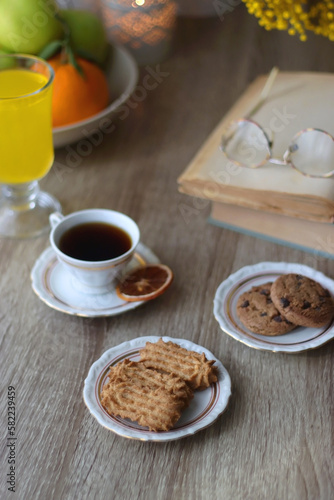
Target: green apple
<point>4,52</point>
<point>87,34</point>
<point>26,26</point>
<point>6,62</point>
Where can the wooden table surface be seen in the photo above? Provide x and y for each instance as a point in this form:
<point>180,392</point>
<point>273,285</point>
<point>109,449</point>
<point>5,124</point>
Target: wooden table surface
<point>275,441</point>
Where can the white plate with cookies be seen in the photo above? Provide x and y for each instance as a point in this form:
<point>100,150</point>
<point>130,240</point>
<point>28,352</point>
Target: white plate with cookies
<point>204,409</point>
<point>230,290</point>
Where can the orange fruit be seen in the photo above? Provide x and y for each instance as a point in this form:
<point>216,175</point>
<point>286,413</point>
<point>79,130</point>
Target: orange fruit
<point>145,283</point>
<point>75,96</point>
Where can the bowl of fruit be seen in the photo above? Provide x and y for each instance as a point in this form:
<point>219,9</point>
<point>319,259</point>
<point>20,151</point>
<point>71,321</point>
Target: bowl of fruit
<point>93,79</point>
<point>121,75</point>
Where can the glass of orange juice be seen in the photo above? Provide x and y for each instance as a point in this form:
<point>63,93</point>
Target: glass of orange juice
<point>26,148</point>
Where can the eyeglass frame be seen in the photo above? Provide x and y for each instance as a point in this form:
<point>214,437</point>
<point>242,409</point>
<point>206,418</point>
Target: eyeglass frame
<point>286,156</point>
<point>269,158</point>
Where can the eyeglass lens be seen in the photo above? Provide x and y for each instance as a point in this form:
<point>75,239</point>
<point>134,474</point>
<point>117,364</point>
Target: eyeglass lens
<point>312,153</point>
<point>246,144</point>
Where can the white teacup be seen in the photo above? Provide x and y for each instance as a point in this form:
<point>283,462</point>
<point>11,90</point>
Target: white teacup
<point>93,276</point>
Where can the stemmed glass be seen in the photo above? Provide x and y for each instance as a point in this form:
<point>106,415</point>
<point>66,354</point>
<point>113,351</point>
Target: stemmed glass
<point>26,146</point>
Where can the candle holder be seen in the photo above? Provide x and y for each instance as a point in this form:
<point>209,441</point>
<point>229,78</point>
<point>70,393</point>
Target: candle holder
<point>145,27</point>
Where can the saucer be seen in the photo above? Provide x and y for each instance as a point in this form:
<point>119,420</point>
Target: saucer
<point>203,410</point>
<point>225,308</point>
<point>55,286</point>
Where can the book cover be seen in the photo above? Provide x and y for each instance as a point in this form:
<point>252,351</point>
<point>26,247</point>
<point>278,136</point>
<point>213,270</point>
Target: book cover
<point>301,234</point>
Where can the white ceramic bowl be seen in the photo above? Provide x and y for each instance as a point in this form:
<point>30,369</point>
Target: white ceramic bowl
<point>122,77</point>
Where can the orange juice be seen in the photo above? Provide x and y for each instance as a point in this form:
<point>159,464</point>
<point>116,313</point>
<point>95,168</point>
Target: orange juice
<point>25,126</point>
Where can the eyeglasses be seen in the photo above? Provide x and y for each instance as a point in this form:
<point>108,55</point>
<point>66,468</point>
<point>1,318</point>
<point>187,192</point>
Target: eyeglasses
<point>246,144</point>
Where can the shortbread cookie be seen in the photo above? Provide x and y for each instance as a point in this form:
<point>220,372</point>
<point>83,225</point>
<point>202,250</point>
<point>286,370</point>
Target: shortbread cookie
<point>302,300</point>
<point>190,366</point>
<point>258,313</point>
<point>154,400</point>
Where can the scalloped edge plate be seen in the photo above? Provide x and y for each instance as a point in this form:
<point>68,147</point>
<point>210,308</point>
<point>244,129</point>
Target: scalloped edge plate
<point>204,409</point>
<point>228,292</point>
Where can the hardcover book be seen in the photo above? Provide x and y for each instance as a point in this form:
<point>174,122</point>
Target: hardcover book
<point>305,235</point>
<point>297,100</point>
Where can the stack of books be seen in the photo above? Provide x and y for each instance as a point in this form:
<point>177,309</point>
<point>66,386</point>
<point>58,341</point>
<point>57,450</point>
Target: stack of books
<point>275,202</point>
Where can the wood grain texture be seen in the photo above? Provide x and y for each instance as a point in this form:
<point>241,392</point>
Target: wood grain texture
<point>275,441</point>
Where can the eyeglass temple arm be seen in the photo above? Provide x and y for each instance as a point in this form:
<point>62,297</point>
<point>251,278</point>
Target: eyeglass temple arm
<point>265,92</point>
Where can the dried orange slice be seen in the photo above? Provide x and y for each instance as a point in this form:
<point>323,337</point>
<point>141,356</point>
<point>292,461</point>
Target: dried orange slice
<point>145,283</point>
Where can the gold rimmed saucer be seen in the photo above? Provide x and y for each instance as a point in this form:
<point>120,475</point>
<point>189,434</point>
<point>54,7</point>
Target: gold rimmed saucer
<point>54,286</point>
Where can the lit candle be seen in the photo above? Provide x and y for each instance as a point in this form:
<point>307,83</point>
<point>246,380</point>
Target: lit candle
<point>145,27</point>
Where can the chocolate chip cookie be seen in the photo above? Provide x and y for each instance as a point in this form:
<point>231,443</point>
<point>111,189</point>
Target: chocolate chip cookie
<point>302,300</point>
<point>257,312</point>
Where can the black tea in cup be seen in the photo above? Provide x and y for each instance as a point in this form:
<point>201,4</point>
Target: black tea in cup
<point>94,241</point>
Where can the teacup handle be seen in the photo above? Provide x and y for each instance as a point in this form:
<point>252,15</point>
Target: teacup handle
<point>55,218</point>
